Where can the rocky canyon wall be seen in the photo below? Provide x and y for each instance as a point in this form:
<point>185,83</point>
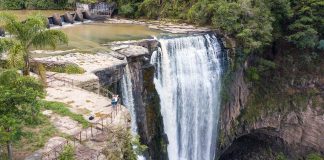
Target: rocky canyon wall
<point>294,132</point>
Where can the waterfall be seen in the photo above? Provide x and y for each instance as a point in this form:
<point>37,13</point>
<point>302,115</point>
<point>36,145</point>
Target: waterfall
<point>128,100</point>
<point>187,79</point>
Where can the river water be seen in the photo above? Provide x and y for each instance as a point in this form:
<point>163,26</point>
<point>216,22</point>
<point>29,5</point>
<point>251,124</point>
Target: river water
<point>91,36</point>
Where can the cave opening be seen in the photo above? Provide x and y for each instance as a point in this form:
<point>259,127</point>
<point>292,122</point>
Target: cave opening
<point>255,145</point>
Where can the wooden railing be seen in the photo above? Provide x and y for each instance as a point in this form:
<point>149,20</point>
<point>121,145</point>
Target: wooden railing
<point>66,81</point>
<point>96,128</point>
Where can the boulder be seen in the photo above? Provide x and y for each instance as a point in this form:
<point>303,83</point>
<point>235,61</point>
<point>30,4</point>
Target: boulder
<point>78,16</point>
<point>86,15</point>
<point>68,18</point>
<point>133,51</point>
<point>57,19</point>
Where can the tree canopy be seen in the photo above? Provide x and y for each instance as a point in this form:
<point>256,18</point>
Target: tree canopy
<point>32,32</point>
<point>254,23</point>
<point>19,104</point>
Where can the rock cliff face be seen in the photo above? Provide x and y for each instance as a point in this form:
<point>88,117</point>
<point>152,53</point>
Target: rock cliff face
<point>294,133</point>
<point>147,107</point>
<point>146,99</point>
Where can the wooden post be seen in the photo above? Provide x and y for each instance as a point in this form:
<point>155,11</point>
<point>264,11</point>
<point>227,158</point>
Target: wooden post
<point>55,153</point>
<point>111,118</point>
<point>98,88</point>
<point>91,131</point>
<point>102,124</point>
<point>80,137</point>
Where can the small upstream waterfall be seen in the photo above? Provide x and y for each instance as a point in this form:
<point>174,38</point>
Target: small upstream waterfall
<point>187,78</point>
<point>128,101</point>
<point>128,98</point>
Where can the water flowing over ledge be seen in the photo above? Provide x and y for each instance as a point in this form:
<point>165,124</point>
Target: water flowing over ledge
<point>188,80</point>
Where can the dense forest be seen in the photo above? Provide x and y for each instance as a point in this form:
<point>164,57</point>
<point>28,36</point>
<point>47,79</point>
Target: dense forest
<point>254,23</point>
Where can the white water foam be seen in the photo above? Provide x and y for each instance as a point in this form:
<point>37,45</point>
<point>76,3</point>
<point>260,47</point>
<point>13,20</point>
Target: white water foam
<point>187,78</point>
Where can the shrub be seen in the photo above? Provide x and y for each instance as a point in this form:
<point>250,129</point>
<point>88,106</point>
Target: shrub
<point>34,4</point>
<point>12,4</point>
<point>314,156</point>
<point>74,69</point>
<point>127,10</point>
<point>281,156</point>
<point>67,154</point>
<point>150,8</point>
<point>69,69</point>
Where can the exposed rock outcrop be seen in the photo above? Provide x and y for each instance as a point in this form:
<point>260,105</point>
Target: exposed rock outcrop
<point>109,76</point>
<point>296,132</point>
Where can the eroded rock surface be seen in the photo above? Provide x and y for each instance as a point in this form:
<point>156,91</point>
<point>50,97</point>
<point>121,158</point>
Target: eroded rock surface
<point>298,132</point>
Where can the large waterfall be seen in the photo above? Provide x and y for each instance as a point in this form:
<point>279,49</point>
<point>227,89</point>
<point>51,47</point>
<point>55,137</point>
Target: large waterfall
<point>187,78</point>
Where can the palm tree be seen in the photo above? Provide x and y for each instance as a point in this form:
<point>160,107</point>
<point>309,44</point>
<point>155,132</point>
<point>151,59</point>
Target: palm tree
<point>31,33</point>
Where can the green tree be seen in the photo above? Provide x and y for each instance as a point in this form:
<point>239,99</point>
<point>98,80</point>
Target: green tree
<point>19,104</point>
<point>150,8</point>
<point>307,23</point>
<point>25,35</point>
<point>250,22</point>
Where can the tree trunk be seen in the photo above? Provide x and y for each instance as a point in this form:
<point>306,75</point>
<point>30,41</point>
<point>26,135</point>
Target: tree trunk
<point>9,148</point>
<point>27,66</point>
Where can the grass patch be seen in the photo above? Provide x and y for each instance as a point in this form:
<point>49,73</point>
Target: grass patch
<point>69,69</point>
<point>35,136</point>
<point>63,110</point>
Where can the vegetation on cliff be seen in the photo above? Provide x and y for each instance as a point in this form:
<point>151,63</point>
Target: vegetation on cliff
<point>122,145</point>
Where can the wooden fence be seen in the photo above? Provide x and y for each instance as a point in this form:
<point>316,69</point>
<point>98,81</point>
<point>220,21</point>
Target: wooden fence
<point>96,128</point>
